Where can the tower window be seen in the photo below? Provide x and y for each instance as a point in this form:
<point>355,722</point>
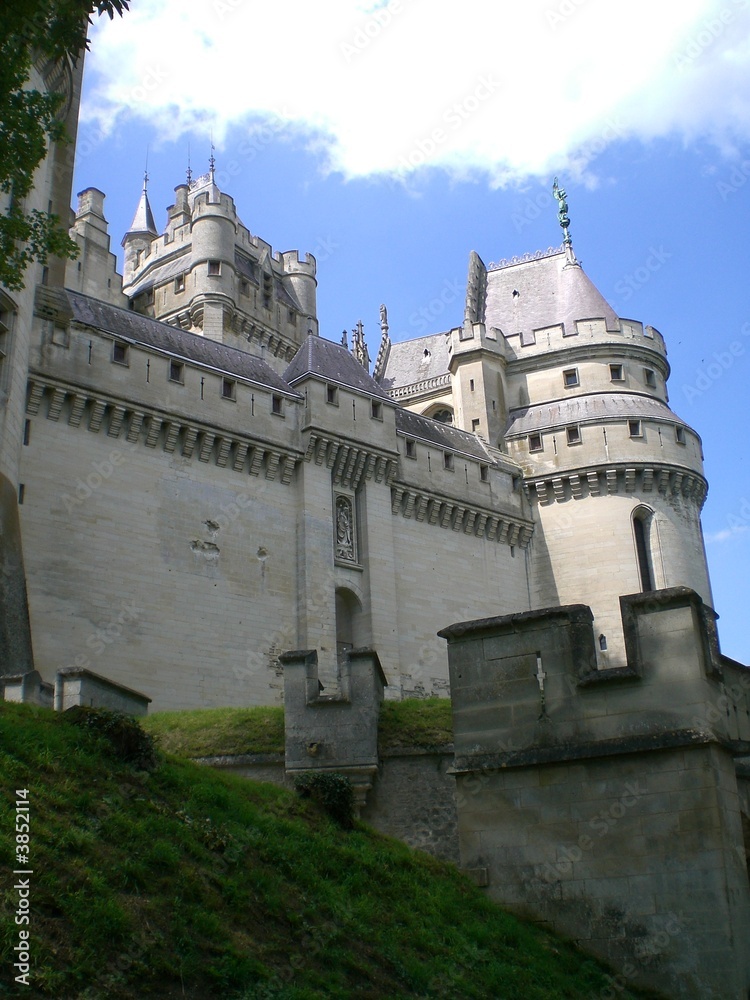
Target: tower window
<point>277,405</point>
<point>411,448</point>
<point>649,377</point>
<point>642,534</point>
<point>245,287</point>
<point>484,473</point>
<point>475,425</point>
<point>570,377</point>
<point>376,409</point>
<point>471,384</point>
<point>228,388</point>
<point>535,442</point>
<point>332,395</point>
<point>176,372</point>
<point>214,268</point>
<point>120,353</point>
<point>179,283</point>
<point>615,373</point>
<point>448,461</point>
<point>267,290</point>
<point>635,429</point>
<point>679,435</point>
<point>573,434</point>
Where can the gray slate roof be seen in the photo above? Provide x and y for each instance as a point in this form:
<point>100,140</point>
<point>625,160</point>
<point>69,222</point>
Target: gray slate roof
<point>548,293</point>
<point>441,435</point>
<point>579,409</point>
<point>143,220</point>
<point>139,329</point>
<point>323,359</point>
<point>407,362</point>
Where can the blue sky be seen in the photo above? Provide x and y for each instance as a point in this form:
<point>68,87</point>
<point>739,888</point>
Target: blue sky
<point>390,139</point>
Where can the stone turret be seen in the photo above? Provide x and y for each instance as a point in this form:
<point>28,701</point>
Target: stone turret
<point>139,237</point>
<point>95,270</point>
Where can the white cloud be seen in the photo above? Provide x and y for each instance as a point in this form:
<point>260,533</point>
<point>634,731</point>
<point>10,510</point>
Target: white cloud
<point>510,89</point>
<point>727,534</point>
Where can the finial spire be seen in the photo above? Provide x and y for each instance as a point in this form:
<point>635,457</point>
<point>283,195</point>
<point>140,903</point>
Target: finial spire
<point>212,161</point>
<point>564,220</point>
<point>189,171</point>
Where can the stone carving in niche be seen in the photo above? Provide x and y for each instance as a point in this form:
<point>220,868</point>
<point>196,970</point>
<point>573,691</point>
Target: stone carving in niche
<point>345,547</point>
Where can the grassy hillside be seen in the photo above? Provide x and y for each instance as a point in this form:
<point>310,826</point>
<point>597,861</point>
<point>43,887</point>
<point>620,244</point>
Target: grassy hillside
<point>208,732</point>
<point>186,883</point>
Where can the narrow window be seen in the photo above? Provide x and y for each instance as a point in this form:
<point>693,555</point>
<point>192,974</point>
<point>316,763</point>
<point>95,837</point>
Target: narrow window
<point>376,409</point>
<point>475,425</point>
<point>570,377</point>
<point>267,290</point>
<point>179,283</point>
<point>120,353</point>
<point>214,268</point>
<point>649,377</point>
<point>292,316</point>
<point>573,434</point>
<point>679,434</point>
<point>484,473</point>
<point>641,530</point>
<point>635,429</point>
<point>245,287</point>
<point>228,388</point>
<point>411,448</point>
<point>615,373</point>
<point>603,643</point>
<point>176,372</point>
<point>277,405</point>
<point>471,384</point>
<point>535,442</point>
<point>26,431</point>
<point>21,492</point>
<point>448,460</point>
<point>332,395</point>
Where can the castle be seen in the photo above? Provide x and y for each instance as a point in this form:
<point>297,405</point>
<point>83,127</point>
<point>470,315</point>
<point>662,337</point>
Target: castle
<point>196,481</point>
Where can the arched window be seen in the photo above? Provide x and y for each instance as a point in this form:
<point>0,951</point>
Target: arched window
<point>642,517</point>
<point>444,414</point>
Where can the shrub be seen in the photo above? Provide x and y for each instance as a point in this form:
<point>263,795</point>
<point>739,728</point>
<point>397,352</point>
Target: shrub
<point>332,791</point>
<point>126,738</point>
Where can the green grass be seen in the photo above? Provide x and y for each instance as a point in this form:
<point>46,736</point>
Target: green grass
<point>212,732</point>
<point>190,883</point>
<point>415,722</point>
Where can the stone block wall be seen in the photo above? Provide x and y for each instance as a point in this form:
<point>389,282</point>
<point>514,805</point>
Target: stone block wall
<point>606,803</point>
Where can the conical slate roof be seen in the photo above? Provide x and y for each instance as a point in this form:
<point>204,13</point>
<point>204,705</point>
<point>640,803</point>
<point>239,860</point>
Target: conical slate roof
<point>143,220</point>
<point>333,362</point>
<point>543,292</point>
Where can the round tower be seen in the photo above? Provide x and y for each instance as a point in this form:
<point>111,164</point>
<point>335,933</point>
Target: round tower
<point>299,276</point>
<point>614,477</point>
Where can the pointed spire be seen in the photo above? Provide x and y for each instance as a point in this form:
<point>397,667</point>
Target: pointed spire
<point>143,220</point>
<point>189,171</point>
